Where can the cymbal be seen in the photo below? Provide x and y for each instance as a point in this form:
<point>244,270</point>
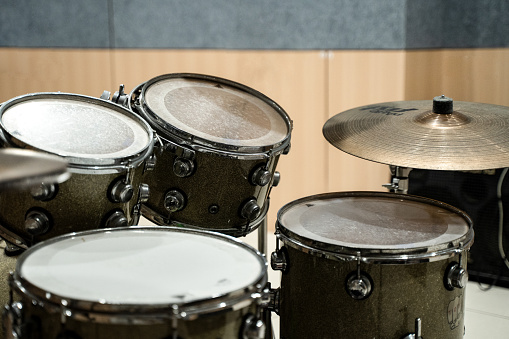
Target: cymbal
<point>21,168</point>
<point>438,134</point>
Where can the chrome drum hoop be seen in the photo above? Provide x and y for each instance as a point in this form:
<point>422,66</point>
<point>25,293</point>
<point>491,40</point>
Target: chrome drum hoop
<point>76,164</point>
<point>372,255</point>
<point>136,103</point>
<point>117,313</point>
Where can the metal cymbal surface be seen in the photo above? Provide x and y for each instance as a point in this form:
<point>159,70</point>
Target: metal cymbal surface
<point>21,168</point>
<point>469,136</point>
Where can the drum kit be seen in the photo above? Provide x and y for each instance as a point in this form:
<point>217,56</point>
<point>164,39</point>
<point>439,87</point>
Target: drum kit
<point>197,156</point>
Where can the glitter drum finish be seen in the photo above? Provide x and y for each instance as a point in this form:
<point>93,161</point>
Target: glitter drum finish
<point>402,246</point>
<point>140,282</point>
<point>105,146</point>
<point>218,146</point>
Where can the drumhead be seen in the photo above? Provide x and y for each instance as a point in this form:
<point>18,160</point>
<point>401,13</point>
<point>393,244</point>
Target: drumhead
<point>144,266</point>
<point>375,224</point>
<point>214,111</point>
<point>84,130</point>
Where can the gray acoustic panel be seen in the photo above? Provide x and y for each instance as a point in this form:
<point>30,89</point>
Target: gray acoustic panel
<point>258,24</point>
<point>261,24</point>
<point>457,24</point>
<point>54,23</point>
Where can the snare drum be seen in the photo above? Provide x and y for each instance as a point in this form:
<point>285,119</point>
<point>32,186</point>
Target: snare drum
<point>105,146</point>
<point>138,282</point>
<point>371,265</point>
<point>219,144</point>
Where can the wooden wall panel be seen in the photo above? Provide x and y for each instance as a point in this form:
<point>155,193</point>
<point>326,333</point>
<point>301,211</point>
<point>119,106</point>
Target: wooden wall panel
<point>358,78</point>
<point>477,75</point>
<point>25,71</point>
<point>310,85</point>
<point>295,80</point>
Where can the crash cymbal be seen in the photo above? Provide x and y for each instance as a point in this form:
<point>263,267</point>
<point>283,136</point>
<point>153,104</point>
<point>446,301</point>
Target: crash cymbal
<point>21,168</point>
<point>438,134</point>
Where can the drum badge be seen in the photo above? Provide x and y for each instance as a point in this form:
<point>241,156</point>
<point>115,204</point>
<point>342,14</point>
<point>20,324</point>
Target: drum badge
<point>455,312</point>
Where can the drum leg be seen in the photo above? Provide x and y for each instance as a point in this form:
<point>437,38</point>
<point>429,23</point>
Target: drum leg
<point>262,236</point>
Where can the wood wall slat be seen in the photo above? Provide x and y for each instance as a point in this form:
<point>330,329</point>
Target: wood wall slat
<point>310,85</point>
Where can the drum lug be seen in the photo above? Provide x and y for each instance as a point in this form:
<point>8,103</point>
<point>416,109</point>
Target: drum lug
<point>278,258</point>
<point>456,276</point>
<point>183,167</point>
<point>174,201</point>
<point>37,222</point>
<point>276,179</point>
<point>417,334</point>
<point>116,219</point>
<point>13,320</point>
<point>121,191</point>
<point>150,163</point>
<point>261,176</point>
<point>278,261</point>
<point>253,328</point>
<point>358,284</point>
<point>44,191</point>
<point>250,210</point>
<point>274,297</point>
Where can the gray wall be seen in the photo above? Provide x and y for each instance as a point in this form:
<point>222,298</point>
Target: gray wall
<point>255,24</point>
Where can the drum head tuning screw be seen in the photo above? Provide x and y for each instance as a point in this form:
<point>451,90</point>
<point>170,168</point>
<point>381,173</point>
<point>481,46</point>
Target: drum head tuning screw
<point>174,201</point>
<point>36,223</point>
<point>183,167</point>
<point>250,210</point>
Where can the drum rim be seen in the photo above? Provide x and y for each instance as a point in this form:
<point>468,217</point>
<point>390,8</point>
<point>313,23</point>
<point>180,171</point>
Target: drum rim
<point>82,164</point>
<point>374,255</point>
<point>157,312</point>
<point>179,136</point>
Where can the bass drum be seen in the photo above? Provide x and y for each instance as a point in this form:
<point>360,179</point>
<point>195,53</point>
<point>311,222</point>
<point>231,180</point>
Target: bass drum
<point>105,145</point>
<point>372,265</point>
<point>218,146</point>
<point>138,282</point>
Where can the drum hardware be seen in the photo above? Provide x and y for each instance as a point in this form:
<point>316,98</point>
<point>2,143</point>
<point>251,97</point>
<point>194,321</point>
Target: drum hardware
<point>250,210</point>
<point>143,195</point>
<point>44,191</point>
<point>37,222</point>
<point>261,176</point>
<point>278,258</point>
<point>456,275</point>
<point>174,201</point>
<point>116,218</point>
<point>359,284</point>
<point>399,181</point>
<point>417,334</point>
<point>122,189</point>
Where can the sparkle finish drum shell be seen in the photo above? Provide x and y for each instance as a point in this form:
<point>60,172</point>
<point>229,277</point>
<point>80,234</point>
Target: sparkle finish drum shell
<point>138,282</point>
<point>404,244</point>
<point>225,132</point>
<point>104,144</point>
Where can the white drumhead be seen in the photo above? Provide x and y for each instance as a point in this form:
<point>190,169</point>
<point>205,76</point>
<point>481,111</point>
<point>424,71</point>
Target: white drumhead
<point>73,127</point>
<point>373,221</point>
<point>141,266</point>
<point>216,112</point>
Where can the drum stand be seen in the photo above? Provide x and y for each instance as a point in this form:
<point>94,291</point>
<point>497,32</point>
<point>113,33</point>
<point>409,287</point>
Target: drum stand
<point>262,248</point>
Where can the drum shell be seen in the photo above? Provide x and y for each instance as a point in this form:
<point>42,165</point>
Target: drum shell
<point>314,302</point>
<point>219,179</point>
<point>81,203</point>
<point>225,324</point>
